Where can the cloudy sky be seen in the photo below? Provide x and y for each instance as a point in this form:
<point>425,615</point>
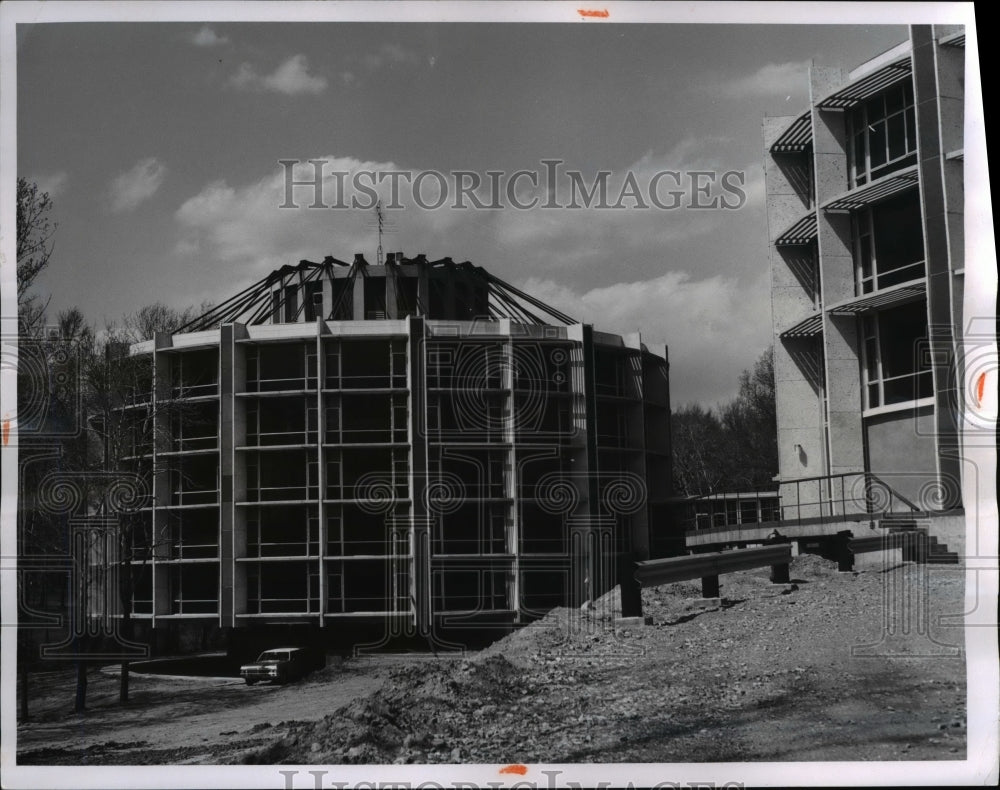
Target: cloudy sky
<point>159,144</point>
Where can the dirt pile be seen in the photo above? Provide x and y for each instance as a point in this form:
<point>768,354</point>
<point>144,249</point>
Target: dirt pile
<point>832,666</point>
<point>421,715</point>
<point>770,671</point>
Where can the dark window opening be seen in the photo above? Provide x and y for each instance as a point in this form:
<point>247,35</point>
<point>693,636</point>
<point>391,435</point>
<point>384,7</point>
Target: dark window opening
<point>291,303</point>
<point>342,305</point>
<point>313,300</point>
<point>889,243</point>
<point>896,356</point>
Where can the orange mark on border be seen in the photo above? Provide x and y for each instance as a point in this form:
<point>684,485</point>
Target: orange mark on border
<point>6,431</point>
<point>598,12</point>
<point>980,389</point>
<point>517,768</point>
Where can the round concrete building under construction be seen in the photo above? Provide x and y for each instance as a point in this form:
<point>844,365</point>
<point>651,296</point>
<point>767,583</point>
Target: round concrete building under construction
<point>359,452</point>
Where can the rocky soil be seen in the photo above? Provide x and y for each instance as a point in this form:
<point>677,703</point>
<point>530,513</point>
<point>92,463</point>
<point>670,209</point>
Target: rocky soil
<point>833,666</point>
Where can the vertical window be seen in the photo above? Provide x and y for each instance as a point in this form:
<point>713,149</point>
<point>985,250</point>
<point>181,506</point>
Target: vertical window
<point>291,303</point>
<point>896,368</point>
<point>313,302</point>
<point>889,243</point>
<point>883,136</point>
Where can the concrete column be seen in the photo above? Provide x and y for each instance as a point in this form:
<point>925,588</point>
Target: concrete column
<point>939,119</point>
<point>638,539</point>
<point>160,573</point>
<point>227,352</point>
<point>423,291</point>
<point>321,331</point>
<point>513,516</point>
<point>420,580</point>
<point>391,298</point>
<point>846,439</point>
<point>238,436</point>
<point>358,294</point>
<point>845,445</point>
<point>794,283</point>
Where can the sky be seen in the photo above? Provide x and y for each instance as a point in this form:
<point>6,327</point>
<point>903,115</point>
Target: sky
<point>159,144</point>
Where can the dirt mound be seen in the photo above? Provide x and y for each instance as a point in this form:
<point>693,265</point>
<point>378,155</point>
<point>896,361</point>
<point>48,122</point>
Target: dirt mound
<point>771,672</point>
<point>421,715</point>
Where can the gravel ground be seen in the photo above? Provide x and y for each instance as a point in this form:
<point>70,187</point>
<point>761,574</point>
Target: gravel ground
<point>833,666</point>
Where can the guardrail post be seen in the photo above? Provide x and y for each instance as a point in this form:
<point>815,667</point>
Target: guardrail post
<point>845,557</point>
<point>628,584</point>
<point>710,586</point>
<point>779,572</point>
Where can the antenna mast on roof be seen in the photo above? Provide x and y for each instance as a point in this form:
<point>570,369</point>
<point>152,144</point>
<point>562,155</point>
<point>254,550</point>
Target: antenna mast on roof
<point>378,213</point>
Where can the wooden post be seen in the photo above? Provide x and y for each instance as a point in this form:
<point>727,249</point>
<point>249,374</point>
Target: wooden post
<point>631,591</point>
<point>709,586</point>
<point>845,557</point>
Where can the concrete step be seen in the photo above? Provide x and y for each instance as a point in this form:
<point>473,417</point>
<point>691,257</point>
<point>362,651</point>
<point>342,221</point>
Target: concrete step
<point>945,558</point>
<point>900,526</point>
<point>938,554</point>
<point>926,547</point>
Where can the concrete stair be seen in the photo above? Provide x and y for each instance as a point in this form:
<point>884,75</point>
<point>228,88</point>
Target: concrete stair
<point>926,548</point>
<point>938,553</point>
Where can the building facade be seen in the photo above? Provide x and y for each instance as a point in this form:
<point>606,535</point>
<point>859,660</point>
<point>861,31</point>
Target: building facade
<point>415,445</point>
<point>865,218</point>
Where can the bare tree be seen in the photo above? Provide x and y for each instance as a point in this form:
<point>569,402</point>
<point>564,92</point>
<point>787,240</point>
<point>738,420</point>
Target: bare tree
<point>144,323</point>
<point>135,427</point>
<point>733,446</point>
<point>109,462</point>
<point>53,441</point>
<point>34,248</point>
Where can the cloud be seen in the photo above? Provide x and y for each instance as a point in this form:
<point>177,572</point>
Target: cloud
<point>713,326</point>
<point>699,279</point>
<point>134,186</point>
<point>773,79</point>
<point>53,183</point>
<point>291,78</point>
<point>206,37</point>
<point>581,235</point>
<point>246,224</point>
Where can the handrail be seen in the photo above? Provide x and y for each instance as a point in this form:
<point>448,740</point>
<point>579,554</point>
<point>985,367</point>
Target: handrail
<point>829,502</point>
<point>894,492</point>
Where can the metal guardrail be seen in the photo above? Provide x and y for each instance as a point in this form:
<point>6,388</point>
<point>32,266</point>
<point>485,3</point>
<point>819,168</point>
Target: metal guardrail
<point>652,573</point>
<point>709,566</point>
<point>912,540</point>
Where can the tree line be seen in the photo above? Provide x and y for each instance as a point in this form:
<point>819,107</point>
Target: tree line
<point>83,419</point>
<point>734,446</point>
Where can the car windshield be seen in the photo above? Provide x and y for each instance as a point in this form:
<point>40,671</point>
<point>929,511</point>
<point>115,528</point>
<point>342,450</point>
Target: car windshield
<point>274,655</point>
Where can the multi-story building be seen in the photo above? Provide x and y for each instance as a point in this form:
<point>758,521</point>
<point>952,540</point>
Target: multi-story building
<point>413,445</point>
<point>865,218</point>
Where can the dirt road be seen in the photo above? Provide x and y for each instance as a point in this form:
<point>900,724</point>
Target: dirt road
<point>834,666</point>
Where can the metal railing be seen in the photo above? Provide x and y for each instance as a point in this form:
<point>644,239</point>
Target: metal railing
<point>849,496</point>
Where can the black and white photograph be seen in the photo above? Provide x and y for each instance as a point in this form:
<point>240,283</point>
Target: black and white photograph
<point>496,394</point>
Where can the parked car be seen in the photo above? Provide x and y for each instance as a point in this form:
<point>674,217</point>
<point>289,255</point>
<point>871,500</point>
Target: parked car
<point>280,665</point>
